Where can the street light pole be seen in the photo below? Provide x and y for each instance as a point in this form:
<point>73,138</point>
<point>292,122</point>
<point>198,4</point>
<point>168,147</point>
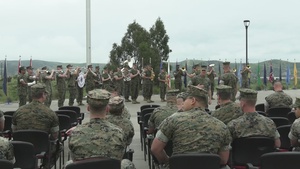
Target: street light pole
<point>247,23</point>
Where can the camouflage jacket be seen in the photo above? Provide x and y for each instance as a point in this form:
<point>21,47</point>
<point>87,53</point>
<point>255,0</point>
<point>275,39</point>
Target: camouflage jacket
<point>279,99</point>
<point>47,82</point>
<point>162,76</point>
<point>89,81</point>
<point>253,124</point>
<point>229,79</point>
<point>22,89</point>
<point>71,80</point>
<point>97,138</point>
<point>6,150</point>
<point>198,80</point>
<point>136,78</point>
<point>295,130</point>
<point>194,131</point>
<point>228,112</point>
<point>160,114</point>
<point>60,82</point>
<point>36,116</point>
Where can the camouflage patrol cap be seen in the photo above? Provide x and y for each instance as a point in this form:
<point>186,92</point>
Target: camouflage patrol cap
<point>59,66</point>
<point>90,66</point>
<point>226,63</point>
<point>203,67</point>
<point>99,94</point>
<point>247,94</point>
<point>172,92</point>
<point>116,102</point>
<point>29,67</point>
<point>182,95</point>
<point>297,103</point>
<point>223,89</point>
<point>21,68</point>
<point>97,67</point>
<point>38,88</point>
<point>44,68</point>
<point>197,91</point>
<point>69,65</point>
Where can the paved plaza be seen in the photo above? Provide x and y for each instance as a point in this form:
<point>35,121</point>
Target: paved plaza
<point>138,157</point>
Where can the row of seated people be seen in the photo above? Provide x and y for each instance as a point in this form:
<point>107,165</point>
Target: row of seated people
<point>194,130</point>
<point>105,136</point>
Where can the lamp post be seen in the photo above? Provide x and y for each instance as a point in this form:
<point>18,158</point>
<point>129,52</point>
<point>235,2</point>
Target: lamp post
<point>247,23</point>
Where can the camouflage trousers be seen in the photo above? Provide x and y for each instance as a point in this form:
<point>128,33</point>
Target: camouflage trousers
<point>212,88</point>
<point>55,151</point>
<point>61,97</point>
<point>162,91</point>
<point>148,90</point>
<point>126,89</point>
<point>72,96</point>
<point>134,89</point>
<point>245,83</point>
<point>79,95</point>
<point>48,98</point>
<point>178,85</point>
<point>125,164</point>
<point>118,86</point>
<point>22,100</point>
<point>29,94</point>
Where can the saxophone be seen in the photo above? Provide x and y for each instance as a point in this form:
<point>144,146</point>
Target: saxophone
<point>152,75</point>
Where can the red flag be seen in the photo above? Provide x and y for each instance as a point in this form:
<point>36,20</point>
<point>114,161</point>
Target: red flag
<point>19,65</point>
<point>30,62</point>
<point>271,76</point>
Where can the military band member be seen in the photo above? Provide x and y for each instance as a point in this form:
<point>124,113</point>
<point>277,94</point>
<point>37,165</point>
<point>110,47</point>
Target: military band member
<point>106,79</point>
<point>89,79</point>
<point>22,86</point>
<point>46,78</point>
<point>195,71</point>
<point>126,83</point>
<point>229,79</point>
<point>118,80</point>
<point>61,85</point>
<point>134,83</point>
<point>80,80</point>
<point>245,79</point>
<point>162,78</point>
<point>147,83</point>
<point>98,78</point>
<point>71,80</point>
<point>211,74</point>
<point>178,73</point>
<point>30,78</point>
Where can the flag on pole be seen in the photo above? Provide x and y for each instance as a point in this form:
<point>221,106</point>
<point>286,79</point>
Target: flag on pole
<point>258,75</point>
<point>295,75</point>
<point>288,74</point>
<point>184,78</point>
<point>271,76</point>
<point>280,77</point>
<point>169,75</point>
<point>19,64</point>
<point>30,62</point>
<point>219,77</point>
<point>265,75</point>
<point>4,85</point>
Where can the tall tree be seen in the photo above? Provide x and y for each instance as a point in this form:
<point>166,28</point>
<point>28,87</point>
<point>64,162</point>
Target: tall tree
<point>116,55</point>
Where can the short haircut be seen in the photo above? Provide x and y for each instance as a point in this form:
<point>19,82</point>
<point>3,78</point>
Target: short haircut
<point>224,95</point>
<point>97,106</point>
<point>116,110</point>
<point>250,102</point>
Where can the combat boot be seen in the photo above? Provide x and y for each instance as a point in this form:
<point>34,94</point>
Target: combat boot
<point>135,102</point>
<point>127,100</point>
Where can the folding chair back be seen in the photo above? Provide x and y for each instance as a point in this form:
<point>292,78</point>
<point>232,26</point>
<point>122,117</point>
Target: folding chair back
<point>95,163</point>
<point>7,127</point>
<point>195,161</point>
<point>80,116</point>
<point>5,164</point>
<point>278,111</point>
<point>148,106</point>
<point>249,149</point>
<point>284,138</point>
<point>24,155</point>
<point>280,160</point>
<point>10,113</point>
<point>260,107</point>
<point>280,121</point>
<point>291,116</point>
<point>71,114</point>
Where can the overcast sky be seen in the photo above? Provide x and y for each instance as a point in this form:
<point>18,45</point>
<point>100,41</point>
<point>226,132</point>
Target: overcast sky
<point>54,30</point>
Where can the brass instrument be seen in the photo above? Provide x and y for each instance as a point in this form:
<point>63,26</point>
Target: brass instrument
<point>183,69</point>
<point>211,65</point>
<point>234,70</point>
<point>152,74</point>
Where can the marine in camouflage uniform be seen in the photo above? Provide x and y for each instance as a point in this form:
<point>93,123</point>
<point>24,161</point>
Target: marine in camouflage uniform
<point>98,137</point>
<point>134,83</point>
<point>161,113</point>
<point>162,84</point>
<point>106,79</point>
<point>228,110</point>
<point>278,98</point>
<point>118,80</point>
<point>116,106</point>
<point>294,134</point>
<point>61,85</point>
<point>229,79</point>
<point>22,86</point>
<point>126,83</point>
<point>89,79</point>
<point>6,147</point>
<point>147,83</point>
<point>245,78</point>
<point>178,73</point>
<point>211,74</point>
<point>71,81</point>
<point>31,78</point>
<point>79,96</point>
<point>46,78</point>
<point>98,78</point>
<point>37,116</point>
<point>252,123</point>
<point>212,136</point>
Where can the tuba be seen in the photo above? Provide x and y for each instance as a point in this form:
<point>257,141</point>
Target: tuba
<point>152,74</point>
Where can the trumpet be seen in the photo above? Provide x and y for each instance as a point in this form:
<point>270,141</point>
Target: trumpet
<point>248,66</point>
<point>234,70</point>
<point>183,69</point>
<point>211,65</point>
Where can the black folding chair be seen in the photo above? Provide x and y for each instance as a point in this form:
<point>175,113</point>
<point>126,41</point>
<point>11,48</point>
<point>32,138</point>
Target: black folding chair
<point>279,160</point>
<point>39,139</point>
<point>145,127</point>
<point>10,113</point>
<point>280,121</point>
<point>64,126</point>
<point>71,114</point>
<point>95,163</point>
<point>278,111</point>
<point>25,155</point>
<point>261,113</point>
<point>5,164</point>
<point>284,138</point>
<point>291,116</point>
<point>249,149</point>
<point>80,115</point>
<point>7,127</point>
<point>195,161</point>
<point>140,119</point>
<point>260,107</point>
